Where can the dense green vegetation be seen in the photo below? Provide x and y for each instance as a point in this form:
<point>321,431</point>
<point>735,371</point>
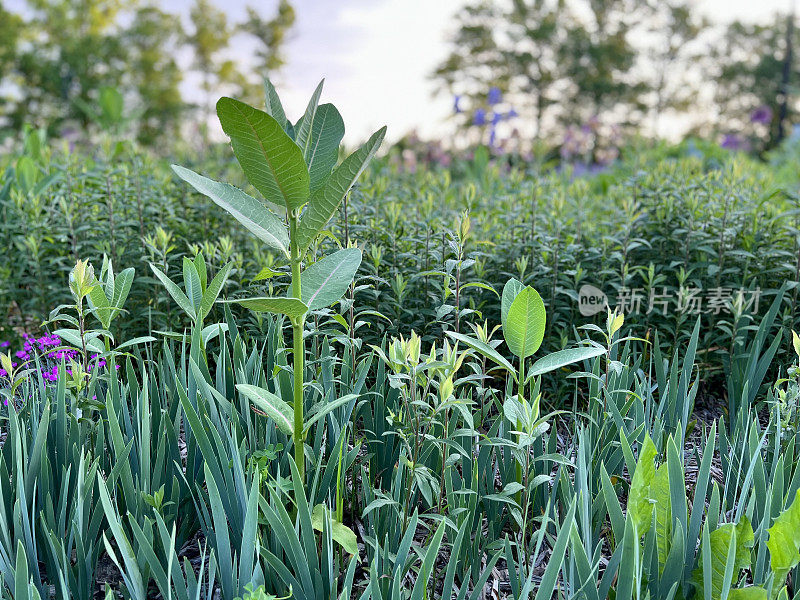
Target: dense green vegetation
<point>335,377</point>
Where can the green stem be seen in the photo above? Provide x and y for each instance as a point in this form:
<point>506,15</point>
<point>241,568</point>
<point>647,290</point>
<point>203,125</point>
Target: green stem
<point>299,350</point>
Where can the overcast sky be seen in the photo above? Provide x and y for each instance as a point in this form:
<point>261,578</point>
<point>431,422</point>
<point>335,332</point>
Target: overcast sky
<point>377,55</point>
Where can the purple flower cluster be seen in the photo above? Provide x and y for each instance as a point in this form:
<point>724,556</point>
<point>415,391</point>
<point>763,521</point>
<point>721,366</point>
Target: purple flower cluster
<point>491,117</point>
<point>49,347</point>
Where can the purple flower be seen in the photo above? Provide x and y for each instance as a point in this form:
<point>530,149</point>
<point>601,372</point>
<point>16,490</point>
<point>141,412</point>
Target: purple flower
<point>734,142</point>
<point>4,344</point>
<point>511,114</point>
<point>22,354</point>
<point>761,115</point>
<point>495,96</point>
<point>492,137</point>
<point>496,118</point>
<point>479,118</point>
<point>456,101</point>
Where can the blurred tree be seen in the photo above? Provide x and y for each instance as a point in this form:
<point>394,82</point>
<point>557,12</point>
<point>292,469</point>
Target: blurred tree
<point>76,50</point>
<point>71,49</point>
<point>598,59</point>
<point>212,34</point>
<point>513,46</point>
<point>153,40</point>
<point>751,75</point>
<point>673,28</point>
<point>11,29</point>
<point>271,37</point>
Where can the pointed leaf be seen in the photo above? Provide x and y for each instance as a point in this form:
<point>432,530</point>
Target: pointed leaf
<point>273,104</point>
<point>326,281</point>
<point>212,291</point>
<point>276,409</point>
<point>174,291</point>
<point>322,149</point>
<point>270,159</point>
<point>191,282</point>
<point>291,307</point>
<point>562,358</point>
<point>341,533</point>
<point>304,126</point>
<point>640,508</point>
<point>251,213</point>
<point>326,200</point>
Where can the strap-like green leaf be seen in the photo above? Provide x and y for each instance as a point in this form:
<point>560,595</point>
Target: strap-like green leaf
<point>326,200</point>
<point>244,208</point>
<point>291,307</point>
<point>484,348</point>
<point>276,409</point>
<point>270,159</point>
<point>174,291</point>
<point>213,290</point>
<point>326,281</point>
<point>191,282</point>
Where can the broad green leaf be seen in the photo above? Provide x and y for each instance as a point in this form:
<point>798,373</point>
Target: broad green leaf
<point>322,149</point>
<point>73,336</point>
<point>174,291</point>
<point>326,200</point>
<point>101,305</point>
<point>326,281</point>
<point>484,349</point>
<point>251,213</point>
<point>270,159</point>
<point>784,544</point>
<point>720,540</point>
<point>212,291</point>
<point>511,290</point>
<point>341,533</point>
<point>562,358</point>
<point>524,328</point>
<point>122,286</point>
<point>639,506</point>
<point>273,103</point>
<point>291,307</point>
<point>752,592</point>
<point>275,408</point>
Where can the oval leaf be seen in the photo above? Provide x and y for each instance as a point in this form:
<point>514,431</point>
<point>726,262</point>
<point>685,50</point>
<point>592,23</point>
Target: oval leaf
<point>524,327</point>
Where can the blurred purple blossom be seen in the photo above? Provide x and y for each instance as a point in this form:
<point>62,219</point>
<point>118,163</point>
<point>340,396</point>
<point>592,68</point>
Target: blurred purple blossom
<point>456,104</point>
<point>479,118</point>
<point>495,96</point>
<point>735,142</point>
<point>761,115</point>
